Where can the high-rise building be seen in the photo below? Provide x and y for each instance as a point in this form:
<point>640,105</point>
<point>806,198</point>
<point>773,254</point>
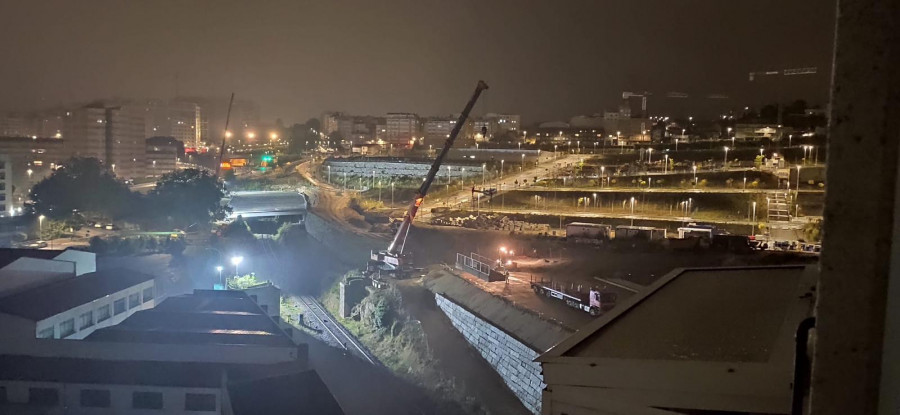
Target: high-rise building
<point>182,119</point>
<point>5,183</point>
<point>401,127</point>
<point>31,159</point>
<point>114,135</point>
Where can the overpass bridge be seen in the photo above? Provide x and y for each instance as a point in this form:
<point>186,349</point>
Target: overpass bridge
<point>262,205</point>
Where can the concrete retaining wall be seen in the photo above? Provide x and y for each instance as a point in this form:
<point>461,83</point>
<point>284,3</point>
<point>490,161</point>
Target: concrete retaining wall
<point>511,358</point>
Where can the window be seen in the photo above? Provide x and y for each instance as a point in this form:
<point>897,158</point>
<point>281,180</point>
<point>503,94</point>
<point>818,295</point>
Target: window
<point>43,396</point>
<point>148,294</point>
<point>86,320</point>
<point>67,328</point>
<point>119,306</point>
<point>146,400</point>
<point>199,402</point>
<point>103,313</point>
<point>134,300</point>
<point>95,398</point>
<point>47,333</point>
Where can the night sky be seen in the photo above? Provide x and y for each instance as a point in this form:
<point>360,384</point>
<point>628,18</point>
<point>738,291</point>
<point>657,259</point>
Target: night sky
<point>543,59</point>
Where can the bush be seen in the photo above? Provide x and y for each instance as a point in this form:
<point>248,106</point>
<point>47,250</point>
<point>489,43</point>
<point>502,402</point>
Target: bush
<point>98,245</point>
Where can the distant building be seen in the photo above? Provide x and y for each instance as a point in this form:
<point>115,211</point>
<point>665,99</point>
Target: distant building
<point>402,128</point>
<point>22,269</point>
<point>178,118</point>
<point>436,130</point>
<point>6,178</point>
<point>757,131</point>
<point>17,125</point>
<point>162,155</point>
<point>114,135</point>
<point>75,306</point>
<point>31,159</point>
<point>504,122</point>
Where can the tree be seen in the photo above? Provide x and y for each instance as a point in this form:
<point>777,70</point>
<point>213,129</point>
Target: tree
<point>186,197</point>
<point>82,185</point>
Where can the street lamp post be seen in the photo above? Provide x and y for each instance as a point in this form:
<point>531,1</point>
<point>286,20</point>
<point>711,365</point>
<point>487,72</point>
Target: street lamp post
<point>602,174</point>
<point>753,226</point>
<point>219,269</point>
<point>392,194</point>
<point>798,181</point>
<point>649,156</point>
<point>632,211</point>
<point>695,174</point>
<point>725,160</point>
<point>676,144</point>
<point>345,181</point>
<point>666,167</point>
<point>329,174</point>
<point>236,260</point>
<point>501,168</point>
<point>483,170</point>
<point>41,227</point>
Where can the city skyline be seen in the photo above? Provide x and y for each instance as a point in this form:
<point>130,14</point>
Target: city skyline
<point>312,64</point>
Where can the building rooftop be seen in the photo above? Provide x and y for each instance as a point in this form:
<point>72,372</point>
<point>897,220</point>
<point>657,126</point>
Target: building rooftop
<point>716,339</point>
<point>10,255</point>
<point>715,314</point>
<point>48,300</point>
<point>204,317</point>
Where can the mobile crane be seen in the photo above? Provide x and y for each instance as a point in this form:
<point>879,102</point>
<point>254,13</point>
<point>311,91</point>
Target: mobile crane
<point>393,260</point>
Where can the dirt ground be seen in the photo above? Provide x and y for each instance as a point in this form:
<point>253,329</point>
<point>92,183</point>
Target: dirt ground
<point>562,261</point>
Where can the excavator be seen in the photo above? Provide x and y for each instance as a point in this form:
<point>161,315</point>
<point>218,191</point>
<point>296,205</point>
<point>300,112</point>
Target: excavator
<point>394,261</point>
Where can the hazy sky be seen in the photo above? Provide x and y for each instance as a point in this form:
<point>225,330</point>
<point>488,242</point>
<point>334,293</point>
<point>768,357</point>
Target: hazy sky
<point>543,59</point>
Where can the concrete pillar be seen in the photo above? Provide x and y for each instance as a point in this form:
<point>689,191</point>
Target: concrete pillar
<point>859,213</point>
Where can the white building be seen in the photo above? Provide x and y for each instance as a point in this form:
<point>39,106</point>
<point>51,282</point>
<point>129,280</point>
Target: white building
<point>23,269</point>
<point>73,307</point>
<point>210,352</point>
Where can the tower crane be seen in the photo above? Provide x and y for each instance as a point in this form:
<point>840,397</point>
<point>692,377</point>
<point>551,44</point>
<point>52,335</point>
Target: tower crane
<point>393,259</point>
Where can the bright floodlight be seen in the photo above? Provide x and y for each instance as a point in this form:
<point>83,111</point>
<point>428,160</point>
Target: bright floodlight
<point>502,249</point>
<point>235,260</point>
<point>219,268</point>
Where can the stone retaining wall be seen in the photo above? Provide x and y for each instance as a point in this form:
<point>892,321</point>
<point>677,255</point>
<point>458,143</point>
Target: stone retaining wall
<point>511,358</point>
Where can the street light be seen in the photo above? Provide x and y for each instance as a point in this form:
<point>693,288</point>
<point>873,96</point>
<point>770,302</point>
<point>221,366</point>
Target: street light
<point>501,168</point>
<point>753,226</point>
<point>236,260</point>
<point>649,156</point>
<point>725,160</point>
<point>676,143</point>
<point>666,167</point>
<point>41,226</point>
<point>798,181</point>
<point>632,211</point>
<point>695,174</point>
<point>483,170</point>
<point>219,269</point>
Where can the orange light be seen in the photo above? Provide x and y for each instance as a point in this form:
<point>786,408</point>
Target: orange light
<point>419,201</point>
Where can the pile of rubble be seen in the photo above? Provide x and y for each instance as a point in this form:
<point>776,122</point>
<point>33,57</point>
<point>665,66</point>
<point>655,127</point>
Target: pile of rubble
<point>490,222</point>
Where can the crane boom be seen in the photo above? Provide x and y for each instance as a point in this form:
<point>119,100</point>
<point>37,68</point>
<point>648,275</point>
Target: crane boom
<point>400,237</point>
<point>391,257</point>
